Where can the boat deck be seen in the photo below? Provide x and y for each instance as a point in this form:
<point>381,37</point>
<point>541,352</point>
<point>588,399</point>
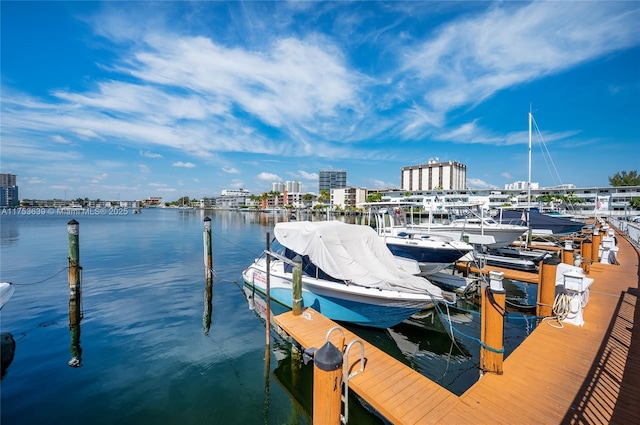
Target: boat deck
<point>573,374</point>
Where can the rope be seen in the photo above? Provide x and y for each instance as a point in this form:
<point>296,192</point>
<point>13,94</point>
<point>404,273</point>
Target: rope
<point>43,280</point>
<point>495,304</point>
<point>561,309</point>
<point>492,349</point>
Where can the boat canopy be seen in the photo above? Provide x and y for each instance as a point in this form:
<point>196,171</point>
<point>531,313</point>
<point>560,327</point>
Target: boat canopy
<point>557,225</point>
<point>351,252</point>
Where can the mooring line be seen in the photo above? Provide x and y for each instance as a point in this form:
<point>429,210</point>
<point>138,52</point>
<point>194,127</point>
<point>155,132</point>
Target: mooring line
<point>40,281</point>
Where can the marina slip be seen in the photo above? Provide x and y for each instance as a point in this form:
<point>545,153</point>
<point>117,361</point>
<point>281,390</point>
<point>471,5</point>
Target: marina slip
<point>143,339</point>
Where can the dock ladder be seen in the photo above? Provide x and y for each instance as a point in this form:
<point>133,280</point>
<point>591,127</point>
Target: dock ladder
<point>344,416</point>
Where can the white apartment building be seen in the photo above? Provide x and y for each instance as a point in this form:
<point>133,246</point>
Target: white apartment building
<point>348,197</point>
<point>434,175</point>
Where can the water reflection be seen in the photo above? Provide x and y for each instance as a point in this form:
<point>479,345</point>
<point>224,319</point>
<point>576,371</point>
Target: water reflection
<point>208,303</point>
<point>75,317</point>
<point>7,351</point>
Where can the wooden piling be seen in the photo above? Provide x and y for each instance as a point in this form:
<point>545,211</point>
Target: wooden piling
<point>567,253</point>
<point>327,385</point>
<point>75,293</point>
<point>595,248</point>
<point>208,253</point>
<point>73,230</point>
<point>297,286</point>
<point>586,253</point>
<point>268,292</point>
<point>546,287</point>
<point>492,325</point>
<point>208,285</point>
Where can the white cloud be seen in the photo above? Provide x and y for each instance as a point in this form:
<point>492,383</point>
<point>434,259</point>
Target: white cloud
<point>230,170</point>
<point>150,154</point>
<point>183,164</point>
<point>269,177</point>
<point>304,175</point>
<point>59,139</point>
<point>474,183</point>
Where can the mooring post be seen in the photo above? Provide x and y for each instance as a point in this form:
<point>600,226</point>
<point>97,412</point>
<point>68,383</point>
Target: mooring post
<point>586,252</point>
<point>567,252</point>
<point>268,292</point>
<point>595,248</point>
<point>75,293</point>
<point>492,324</point>
<point>208,254</point>
<point>297,286</point>
<point>73,230</point>
<point>327,385</point>
<point>546,287</point>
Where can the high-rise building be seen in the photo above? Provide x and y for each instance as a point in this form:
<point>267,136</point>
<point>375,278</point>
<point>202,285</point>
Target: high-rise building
<point>434,175</point>
<point>332,179</point>
<point>9,191</point>
<point>292,186</point>
<point>277,187</point>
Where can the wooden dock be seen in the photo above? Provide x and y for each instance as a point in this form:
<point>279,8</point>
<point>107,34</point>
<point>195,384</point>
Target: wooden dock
<point>518,275</point>
<point>569,375</point>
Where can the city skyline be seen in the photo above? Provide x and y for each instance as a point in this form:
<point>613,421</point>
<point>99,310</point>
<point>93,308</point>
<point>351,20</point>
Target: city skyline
<point>178,99</point>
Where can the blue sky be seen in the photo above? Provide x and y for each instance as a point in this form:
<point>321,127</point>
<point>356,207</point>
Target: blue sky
<point>135,99</point>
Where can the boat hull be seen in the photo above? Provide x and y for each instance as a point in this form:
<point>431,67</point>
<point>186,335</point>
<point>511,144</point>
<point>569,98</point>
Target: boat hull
<point>370,307</point>
<point>431,259</point>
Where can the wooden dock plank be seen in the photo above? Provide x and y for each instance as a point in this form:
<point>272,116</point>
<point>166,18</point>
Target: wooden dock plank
<point>518,275</point>
<point>384,378</point>
<point>572,374</point>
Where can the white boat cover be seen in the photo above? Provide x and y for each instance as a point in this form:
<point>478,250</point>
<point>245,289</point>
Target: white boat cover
<point>351,252</point>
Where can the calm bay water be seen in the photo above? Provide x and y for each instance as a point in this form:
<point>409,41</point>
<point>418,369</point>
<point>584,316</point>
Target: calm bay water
<point>147,357</point>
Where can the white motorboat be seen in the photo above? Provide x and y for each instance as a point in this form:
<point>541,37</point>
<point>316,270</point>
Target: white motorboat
<point>433,252</point>
<point>348,274</point>
<point>6,291</point>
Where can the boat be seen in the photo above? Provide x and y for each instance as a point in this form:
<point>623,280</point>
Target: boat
<point>468,223</point>
<point>433,252</point>
<point>6,292</point>
<point>348,274</point>
<point>494,258</point>
<point>541,223</point>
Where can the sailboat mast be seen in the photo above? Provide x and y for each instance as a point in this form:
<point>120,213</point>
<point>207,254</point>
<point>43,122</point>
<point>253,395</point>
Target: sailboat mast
<point>529,178</point>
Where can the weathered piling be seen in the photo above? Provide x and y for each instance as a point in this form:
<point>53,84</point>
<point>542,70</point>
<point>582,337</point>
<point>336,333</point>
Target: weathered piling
<point>297,286</point>
<point>208,253</point>
<point>586,252</point>
<point>73,230</point>
<point>492,324</point>
<point>208,285</point>
<point>327,385</point>
<point>567,252</point>
<point>268,292</point>
<point>546,287</point>
<point>75,293</point>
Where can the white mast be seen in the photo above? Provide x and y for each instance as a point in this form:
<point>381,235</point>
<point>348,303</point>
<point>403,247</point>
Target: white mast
<point>529,180</point>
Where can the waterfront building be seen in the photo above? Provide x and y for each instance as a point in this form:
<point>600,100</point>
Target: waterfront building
<point>590,200</point>
<point>233,198</point>
<point>332,179</point>
<point>434,175</point>
<point>348,197</point>
<point>9,191</point>
<point>207,202</point>
<point>292,186</point>
<point>520,185</point>
<point>153,201</point>
<point>277,187</point>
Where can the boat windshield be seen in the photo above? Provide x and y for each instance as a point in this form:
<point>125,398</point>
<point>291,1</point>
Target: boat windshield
<point>308,268</point>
